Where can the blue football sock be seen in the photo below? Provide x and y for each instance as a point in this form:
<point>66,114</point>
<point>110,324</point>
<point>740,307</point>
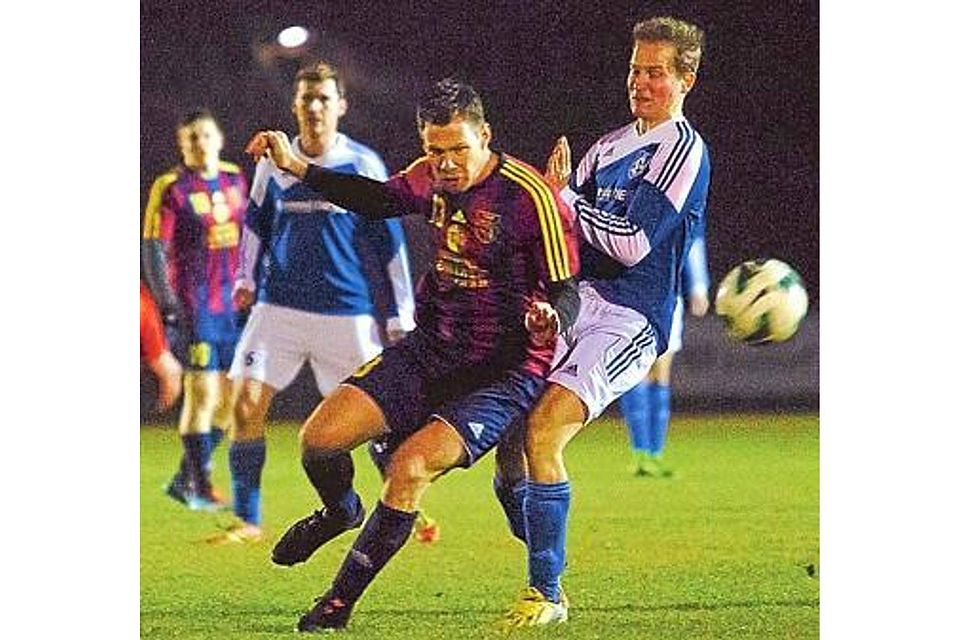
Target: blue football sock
<point>546,509</point>
<point>511,498</point>
<point>196,454</point>
<point>385,532</point>
<point>246,468</point>
<point>635,407</point>
<point>332,477</point>
<point>660,416</point>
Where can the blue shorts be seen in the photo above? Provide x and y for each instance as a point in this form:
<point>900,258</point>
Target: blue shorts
<point>480,403</point>
<point>206,344</point>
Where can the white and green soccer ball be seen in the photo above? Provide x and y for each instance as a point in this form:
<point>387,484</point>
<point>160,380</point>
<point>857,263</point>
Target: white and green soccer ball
<point>761,301</point>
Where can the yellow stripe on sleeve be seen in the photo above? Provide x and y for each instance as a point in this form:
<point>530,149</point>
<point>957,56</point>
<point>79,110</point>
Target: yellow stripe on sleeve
<point>551,226</point>
<point>151,217</point>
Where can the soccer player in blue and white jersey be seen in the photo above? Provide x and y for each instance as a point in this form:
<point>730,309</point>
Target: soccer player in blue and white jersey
<point>638,194</point>
<point>646,407</point>
<point>301,259</point>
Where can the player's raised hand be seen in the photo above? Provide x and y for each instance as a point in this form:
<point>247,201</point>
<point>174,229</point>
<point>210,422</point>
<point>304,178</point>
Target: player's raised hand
<point>558,164</point>
<point>276,146</point>
<point>542,323</point>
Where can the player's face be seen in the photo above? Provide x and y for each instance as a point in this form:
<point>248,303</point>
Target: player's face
<point>655,88</point>
<point>318,107</point>
<point>200,143</point>
<point>458,152</point>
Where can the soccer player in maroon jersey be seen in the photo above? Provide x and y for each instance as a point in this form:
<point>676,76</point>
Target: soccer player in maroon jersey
<point>500,289</point>
<point>191,248</point>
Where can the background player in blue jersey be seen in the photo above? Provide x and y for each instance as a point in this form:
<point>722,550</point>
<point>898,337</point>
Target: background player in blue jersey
<point>499,289</point>
<point>638,195</point>
<point>646,407</point>
<point>190,250</point>
<point>302,259</point>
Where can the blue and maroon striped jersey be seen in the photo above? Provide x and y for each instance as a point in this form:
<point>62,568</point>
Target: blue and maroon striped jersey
<point>497,245</point>
<point>199,222</point>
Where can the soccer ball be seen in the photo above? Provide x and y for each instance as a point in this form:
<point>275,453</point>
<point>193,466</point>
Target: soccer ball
<point>761,301</point>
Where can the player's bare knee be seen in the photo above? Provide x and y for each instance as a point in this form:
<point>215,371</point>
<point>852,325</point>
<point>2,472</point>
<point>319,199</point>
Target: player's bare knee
<point>203,394</point>
<point>322,438</point>
<point>543,436</point>
<point>407,477</point>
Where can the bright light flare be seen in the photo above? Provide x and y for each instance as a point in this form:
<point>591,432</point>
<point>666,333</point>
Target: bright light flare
<point>293,37</point>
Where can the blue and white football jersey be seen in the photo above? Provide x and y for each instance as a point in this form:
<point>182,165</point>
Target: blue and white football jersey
<point>305,253</point>
<point>639,200</point>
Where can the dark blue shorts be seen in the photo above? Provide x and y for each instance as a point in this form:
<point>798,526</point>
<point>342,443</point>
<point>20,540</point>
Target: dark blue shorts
<point>480,403</point>
<point>202,346</point>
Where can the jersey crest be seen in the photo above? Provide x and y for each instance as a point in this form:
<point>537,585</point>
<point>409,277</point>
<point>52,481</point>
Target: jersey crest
<point>486,226</point>
<point>641,164</point>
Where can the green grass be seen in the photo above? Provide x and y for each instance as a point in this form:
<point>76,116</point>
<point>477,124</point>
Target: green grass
<point>725,550</point>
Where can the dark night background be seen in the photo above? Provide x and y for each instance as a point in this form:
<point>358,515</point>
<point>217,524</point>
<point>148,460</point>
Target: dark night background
<point>543,68</point>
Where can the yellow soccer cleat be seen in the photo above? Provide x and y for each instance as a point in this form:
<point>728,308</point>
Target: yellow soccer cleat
<point>532,609</point>
<point>239,533</point>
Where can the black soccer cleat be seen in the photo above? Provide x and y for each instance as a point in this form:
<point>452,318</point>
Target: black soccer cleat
<point>329,614</point>
<point>309,534</point>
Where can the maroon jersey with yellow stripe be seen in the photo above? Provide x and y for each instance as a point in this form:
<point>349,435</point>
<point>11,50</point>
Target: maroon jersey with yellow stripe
<point>199,222</point>
<point>497,245</point>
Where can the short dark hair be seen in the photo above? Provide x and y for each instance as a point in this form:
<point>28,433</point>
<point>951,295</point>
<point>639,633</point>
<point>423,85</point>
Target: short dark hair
<point>447,100</point>
<point>687,38</point>
<point>318,72</point>
<point>197,114</point>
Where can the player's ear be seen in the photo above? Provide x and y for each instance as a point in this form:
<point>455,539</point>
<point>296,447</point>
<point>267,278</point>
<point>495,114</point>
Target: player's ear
<point>343,107</point>
<point>688,79</point>
<point>486,133</point>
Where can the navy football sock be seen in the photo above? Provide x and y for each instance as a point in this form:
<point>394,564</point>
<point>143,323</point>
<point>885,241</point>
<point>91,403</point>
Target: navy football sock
<point>216,437</point>
<point>511,498</point>
<point>546,509</point>
<point>385,532</point>
<point>196,452</point>
<point>660,417</point>
<point>332,477</point>
<point>635,407</point>
<point>247,460</point>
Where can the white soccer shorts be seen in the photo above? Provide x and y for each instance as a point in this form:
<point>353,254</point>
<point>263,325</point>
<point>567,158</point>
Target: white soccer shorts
<point>606,353</point>
<point>276,341</point>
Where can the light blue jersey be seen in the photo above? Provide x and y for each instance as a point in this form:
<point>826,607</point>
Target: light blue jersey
<point>639,201</point>
<point>305,253</point>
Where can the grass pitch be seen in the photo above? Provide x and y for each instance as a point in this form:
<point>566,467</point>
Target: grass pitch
<point>728,549</point>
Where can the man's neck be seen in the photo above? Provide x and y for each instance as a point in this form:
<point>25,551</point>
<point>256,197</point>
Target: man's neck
<point>316,146</point>
<point>646,125</point>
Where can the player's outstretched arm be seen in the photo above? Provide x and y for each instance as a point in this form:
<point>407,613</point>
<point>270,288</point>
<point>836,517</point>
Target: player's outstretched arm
<point>357,193</point>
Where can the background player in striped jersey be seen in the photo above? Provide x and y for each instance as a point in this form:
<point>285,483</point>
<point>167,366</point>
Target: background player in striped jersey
<point>646,407</point>
<point>638,194</point>
<point>302,259</point>
<point>190,250</point>
<point>488,312</point>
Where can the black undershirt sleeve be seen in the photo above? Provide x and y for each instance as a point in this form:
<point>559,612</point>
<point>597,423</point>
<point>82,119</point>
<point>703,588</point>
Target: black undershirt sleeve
<point>359,194</point>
